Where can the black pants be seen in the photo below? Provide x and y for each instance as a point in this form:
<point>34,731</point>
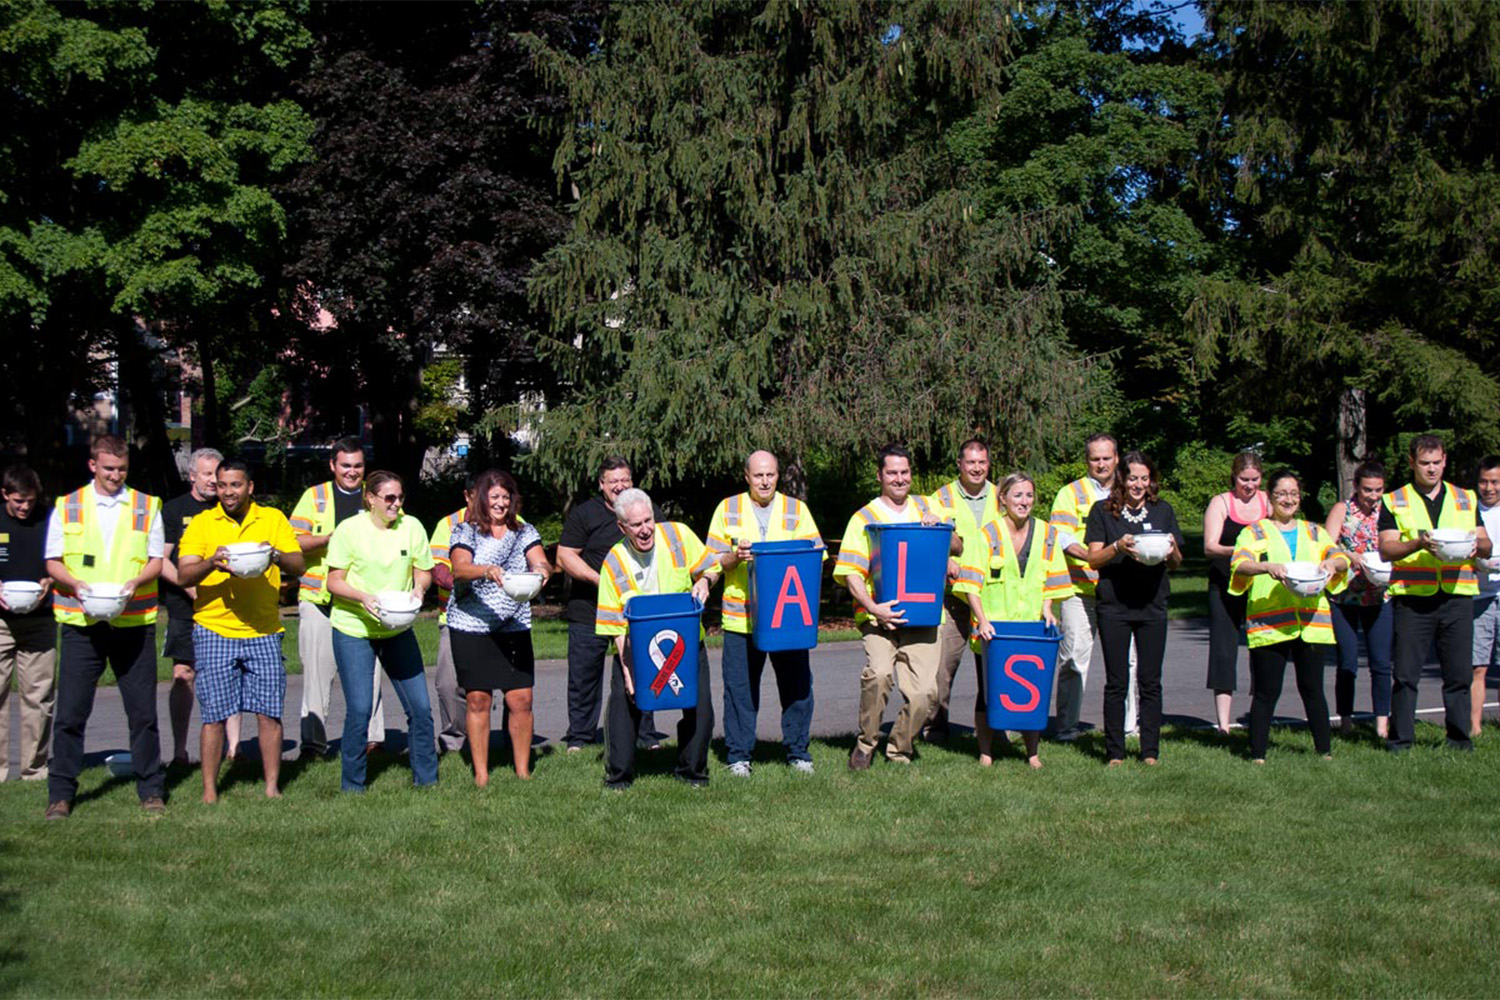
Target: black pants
<point>1420,621</point>
<point>623,721</point>
<point>1226,623</point>
<point>83,653</point>
<point>586,652</point>
<point>1150,648</point>
<point>1267,670</point>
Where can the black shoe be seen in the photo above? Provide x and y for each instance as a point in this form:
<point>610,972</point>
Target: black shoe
<point>617,786</point>
<point>154,805</point>
<point>1462,746</point>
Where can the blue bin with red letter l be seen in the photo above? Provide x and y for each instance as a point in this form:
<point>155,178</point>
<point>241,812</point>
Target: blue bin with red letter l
<point>1020,663</point>
<point>786,581</point>
<point>909,565</point>
<point>664,631</point>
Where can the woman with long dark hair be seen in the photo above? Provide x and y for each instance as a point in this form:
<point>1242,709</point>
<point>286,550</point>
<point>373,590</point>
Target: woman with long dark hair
<point>1132,597</point>
<point>490,629</point>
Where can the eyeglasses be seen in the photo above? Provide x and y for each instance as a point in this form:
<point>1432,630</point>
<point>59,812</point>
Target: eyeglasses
<point>390,497</point>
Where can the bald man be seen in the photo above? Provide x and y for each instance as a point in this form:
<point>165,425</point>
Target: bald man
<point>760,514</point>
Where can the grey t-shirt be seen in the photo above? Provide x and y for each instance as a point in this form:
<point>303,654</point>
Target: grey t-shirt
<point>763,518</point>
<point>977,504</point>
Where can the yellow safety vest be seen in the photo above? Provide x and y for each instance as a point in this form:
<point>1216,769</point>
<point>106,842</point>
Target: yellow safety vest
<point>1422,573</point>
<point>954,508</point>
<point>84,555</point>
<point>790,520</point>
<point>314,515</point>
<point>1070,513</point>
<point>1008,595</point>
<point>438,544</point>
<point>1275,613</point>
<point>685,556</point>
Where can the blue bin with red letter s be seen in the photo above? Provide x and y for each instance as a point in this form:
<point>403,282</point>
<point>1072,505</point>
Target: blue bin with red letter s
<point>1020,663</point>
<point>786,582</point>
<point>664,631</point>
<point>909,565</point>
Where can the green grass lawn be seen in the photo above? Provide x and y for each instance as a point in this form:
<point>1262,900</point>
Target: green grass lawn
<point>1369,875</point>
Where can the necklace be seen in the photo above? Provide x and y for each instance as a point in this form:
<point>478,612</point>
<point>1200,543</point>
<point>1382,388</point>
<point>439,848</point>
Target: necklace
<point>1135,518</point>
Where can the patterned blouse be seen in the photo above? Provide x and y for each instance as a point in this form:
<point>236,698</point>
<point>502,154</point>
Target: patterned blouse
<point>483,605</point>
<point>1358,535</point>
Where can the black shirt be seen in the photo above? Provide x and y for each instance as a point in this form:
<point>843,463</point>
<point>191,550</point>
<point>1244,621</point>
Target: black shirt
<point>1127,588</point>
<point>175,515</point>
<point>1387,520</point>
<point>592,529</point>
<point>346,505</point>
<point>22,548</point>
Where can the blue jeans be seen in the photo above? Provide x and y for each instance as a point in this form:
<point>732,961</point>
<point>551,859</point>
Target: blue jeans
<point>1376,622</point>
<point>742,666</point>
<point>402,660</point>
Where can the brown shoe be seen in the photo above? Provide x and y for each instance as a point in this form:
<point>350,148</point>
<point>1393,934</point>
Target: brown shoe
<point>859,760</point>
<point>61,809</point>
<point>371,749</point>
<point>154,805</point>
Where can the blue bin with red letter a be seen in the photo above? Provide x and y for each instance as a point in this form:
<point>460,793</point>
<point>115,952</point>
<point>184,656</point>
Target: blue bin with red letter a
<point>664,632</point>
<point>909,565</point>
<point>1020,663</point>
<point>786,581</point>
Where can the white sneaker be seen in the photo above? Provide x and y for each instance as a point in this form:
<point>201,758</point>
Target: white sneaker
<point>740,769</point>
<point>802,766</point>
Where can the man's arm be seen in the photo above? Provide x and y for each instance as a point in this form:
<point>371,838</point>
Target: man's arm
<point>571,561</point>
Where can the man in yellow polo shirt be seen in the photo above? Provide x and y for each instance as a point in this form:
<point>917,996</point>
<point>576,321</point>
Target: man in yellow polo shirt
<point>237,620</point>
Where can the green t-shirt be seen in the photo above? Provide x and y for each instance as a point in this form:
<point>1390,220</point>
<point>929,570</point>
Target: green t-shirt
<point>375,559</point>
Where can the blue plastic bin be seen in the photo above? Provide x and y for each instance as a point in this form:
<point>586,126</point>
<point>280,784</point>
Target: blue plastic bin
<point>664,631</point>
<point>909,565</point>
<point>786,582</point>
<point>1020,663</point>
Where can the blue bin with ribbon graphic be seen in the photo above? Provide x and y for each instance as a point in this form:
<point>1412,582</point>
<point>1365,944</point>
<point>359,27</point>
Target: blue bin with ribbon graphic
<point>664,630</point>
<point>1020,664</point>
<point>786,581</point>
<point>909,565</point>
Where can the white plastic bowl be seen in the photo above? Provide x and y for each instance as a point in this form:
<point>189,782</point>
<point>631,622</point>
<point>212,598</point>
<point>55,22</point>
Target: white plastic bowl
<point>1151,547</point>
<point>1377,570</point>
<point>398,608</point>
<point>1454,543</point>
<point>22,595</point>
<point>105,600</point>
<point>522,586</point>
<point>1305,579</point>
<point>1490,565</point>
<point>119,765</point>
<point>247,559</point>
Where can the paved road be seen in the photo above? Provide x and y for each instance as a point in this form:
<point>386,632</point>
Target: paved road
<point>836,668</point>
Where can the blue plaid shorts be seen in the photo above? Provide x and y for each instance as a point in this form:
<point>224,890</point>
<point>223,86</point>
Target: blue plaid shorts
<point>238,675</point>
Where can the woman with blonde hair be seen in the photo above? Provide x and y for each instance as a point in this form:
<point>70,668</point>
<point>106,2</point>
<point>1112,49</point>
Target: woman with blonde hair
<point>1021,560</point>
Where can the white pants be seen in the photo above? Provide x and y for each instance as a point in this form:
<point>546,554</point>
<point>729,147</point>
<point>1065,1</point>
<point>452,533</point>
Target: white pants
<point>1080,625</point>
<point>315,647</point>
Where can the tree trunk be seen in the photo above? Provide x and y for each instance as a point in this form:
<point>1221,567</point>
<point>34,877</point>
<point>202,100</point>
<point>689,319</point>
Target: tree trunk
<point>794,479</point>
<point>211,429</point>
<point>1350,449</point>
<point>153,463</point>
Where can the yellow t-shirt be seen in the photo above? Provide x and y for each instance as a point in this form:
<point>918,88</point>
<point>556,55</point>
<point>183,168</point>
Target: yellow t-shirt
<point>228,605</point>
<point>375,559</point>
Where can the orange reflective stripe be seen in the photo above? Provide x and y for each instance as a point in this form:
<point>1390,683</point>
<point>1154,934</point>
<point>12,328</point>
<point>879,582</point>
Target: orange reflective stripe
<point>992,532</point>
<point>1412,574</point>
<point>790,515</point>
<point>1080,495</point>
<point>675,544</point>
<point>922,507</point>
<point>139,510</point>
<point>1064,519</point>
<point>945,496</point>
<point>866,515</point>
<point>1461,498</point>
<point>1258,532</point>
<point>65,602</point>
<point>732,512</point>
<point>1399,498</point>
<point>617,571</point>
<point>73,508</point>
<point>320,497</point>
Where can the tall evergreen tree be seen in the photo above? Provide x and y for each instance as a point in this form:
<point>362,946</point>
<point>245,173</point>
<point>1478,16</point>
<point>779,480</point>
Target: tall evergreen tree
<point>1364,205</point>
<point>774,246</point>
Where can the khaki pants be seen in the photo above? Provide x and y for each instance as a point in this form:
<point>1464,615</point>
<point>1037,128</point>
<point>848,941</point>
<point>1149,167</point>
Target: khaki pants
<point>906,658</point>
<point>452,712</point>
<point>315,647</point>
<point>28,651</point>
<point>953,639</point>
